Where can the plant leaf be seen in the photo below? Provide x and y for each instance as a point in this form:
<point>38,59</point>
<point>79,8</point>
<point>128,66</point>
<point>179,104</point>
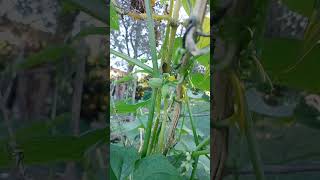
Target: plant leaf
<point>122,160</point>
<point>95,8</point>
<point>90,31</point>
<point>201,81</point>
<point>114,18</point>
<point>155,167</point>
<point>123,107</point>
<point>125,79</point>
<point>52,149</point>
<point>280,57</point>
<point>50,54</point>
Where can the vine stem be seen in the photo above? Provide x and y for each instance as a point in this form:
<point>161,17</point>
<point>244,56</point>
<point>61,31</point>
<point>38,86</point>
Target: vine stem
<point>152,38</point>
<point>174,27</point>
<point>152,43</point>
<point>248,127</point>
<point>194,130</point>
<point>199,153</point>
<point>203,144</point>
<point>156,125</point>
<point>133,61</point>
<point>149,125</point>
<point>196,139</point>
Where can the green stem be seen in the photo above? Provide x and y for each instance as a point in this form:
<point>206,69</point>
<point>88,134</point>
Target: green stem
<point>199,153</point>
<point>194,131</point>
<point>182,124</point>
<point>195,136</point>
<point>203,144</point>
<point>164,48</point>
<point>133,61</point>
<point>174,27</point>
<point>156,125</point>
<point>248,128</point>
<point>149,125</point>
<point>152,38</point>
<point>194,168</point>
<point>253,148</point>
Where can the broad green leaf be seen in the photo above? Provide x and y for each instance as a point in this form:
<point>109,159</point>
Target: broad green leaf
<point>90,31</point>
<point>124,107</point>
<point>50,54</point>
<point>280,58</point>
<point>205,41</point>
<point>186,5</point>
<point>204,60</point>
<point>42,128</point>
<point>302,7</point>
<point>112,175</point>
<point>122,160</point>
<point>114,19</point>
<point>95,8</point>
<point>177,44</point>
<point>155,167</point>
<point>176,159</point>
<point>201,81</point>
<point>52,149</point>
<point>125,79</point>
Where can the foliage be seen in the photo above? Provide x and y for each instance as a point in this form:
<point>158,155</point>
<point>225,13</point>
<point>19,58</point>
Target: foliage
<point>276,95</point>
<point>162,116</point>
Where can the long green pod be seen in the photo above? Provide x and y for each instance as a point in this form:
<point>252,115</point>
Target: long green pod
<point>248,127</point>
<point>163,125</point>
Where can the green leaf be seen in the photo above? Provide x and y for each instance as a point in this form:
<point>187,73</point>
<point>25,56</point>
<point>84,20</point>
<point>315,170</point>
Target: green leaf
<point>201,81</point>
<point>123,107</point>
<point>155,167</point>
<point>39,129</point>
<point>114,19</point>
<point>125,79</point>
<point>176,159</point>
<point>131,60</point>
<point>112,175</point>
<point>122,160</point>
<point>204,60</point>
<point>95,8</point>
<point>280,58</point>
<point>90,31</point>
<point>302,7</point>
<point>52,149</point>
<point>186,5</point>
<point>50,54</point>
